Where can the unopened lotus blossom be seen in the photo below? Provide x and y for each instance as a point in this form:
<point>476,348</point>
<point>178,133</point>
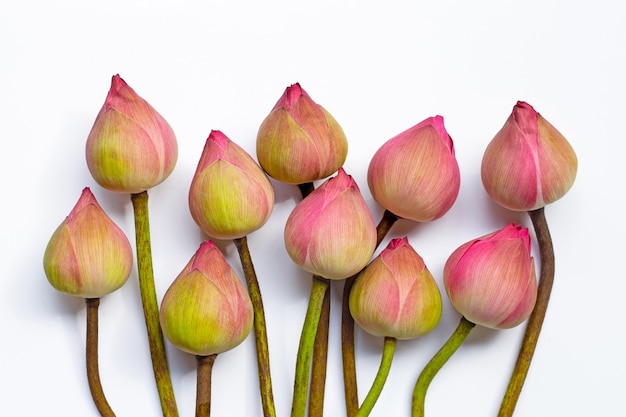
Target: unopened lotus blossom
<point>230,195</point>
<point>331,233</point>
<point>528,164</point>
<point>299,141</point>
<point>396,295</point>
<point>131,147</point>
<point>206,310</point>
<point>88,255</point>
<point>491,280</point>
<point>415,174</point>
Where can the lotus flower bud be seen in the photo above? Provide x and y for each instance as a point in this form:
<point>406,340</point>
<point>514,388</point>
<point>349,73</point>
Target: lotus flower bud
<point>396,295</point>
<point>88,256</point>
<point>130,148</point>
<point>230,195</point>
<point>331,233</point>
<point>299,141</point>
<point>207,309</point>
<point>528,164</point>
<point>415,174</point>
<point>491,280</point>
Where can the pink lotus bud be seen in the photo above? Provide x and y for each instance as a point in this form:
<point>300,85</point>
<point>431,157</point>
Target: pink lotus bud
<point>415,174</point>
<point>88,256</point>
<point>299,141</point>
<point>491,280</point>
<point>230,195</point>
<point>396,295</point>
<point>130,147</point>
<point>528,164</point>
<point>331,233</point>
<point>207,309</point>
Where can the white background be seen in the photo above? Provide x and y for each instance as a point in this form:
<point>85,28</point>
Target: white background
<point>379,68</point>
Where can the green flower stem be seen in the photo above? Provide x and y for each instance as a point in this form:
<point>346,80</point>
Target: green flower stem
<point>260,328</point>
<point>203,385</point>
<point>436,363</point>
<point>381,376</point>
<point>319,360</point>
<point>93,374</point>
<point>535,321</point>
<point>305,349</point>
<point>150,305</point>
<point>320,347</point>
<point>347,326</point>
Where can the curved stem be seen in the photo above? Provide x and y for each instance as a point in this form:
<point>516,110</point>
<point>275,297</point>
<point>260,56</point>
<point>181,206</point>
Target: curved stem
<point>305,349</point>
<point>436,363</point>
<point>381,376</point>
<point>150,305</point>
<point>203,384</point>
<point>93,374</point>
<point>319,360</point>
<point>260,328</point>
<point>535,321</point>
<point>347,326</point>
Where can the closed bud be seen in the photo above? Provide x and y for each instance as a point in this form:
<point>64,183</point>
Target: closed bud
<point>331,233</point>
<point>299,141</point>
<point>415,174</point>
<point>88,256</point>
<point>230,195</point>
<point>206,310</point>
<point>491,280</point>
<point>528,164</point>
<point>130,148</point>
<point>396,295</point>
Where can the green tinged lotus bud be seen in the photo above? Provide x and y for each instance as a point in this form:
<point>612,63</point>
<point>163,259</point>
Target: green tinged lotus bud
<point>206,310</point>
<point>88,255</point>
<point>299,141</point>
<point>396,295</point>
<point>131,147</point>
<point>230,195</point>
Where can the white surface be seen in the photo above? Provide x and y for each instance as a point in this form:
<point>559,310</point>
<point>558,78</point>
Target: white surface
<point>378,69</point>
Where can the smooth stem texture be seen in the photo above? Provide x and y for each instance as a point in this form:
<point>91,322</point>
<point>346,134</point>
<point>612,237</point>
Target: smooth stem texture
<point>347,326</point>
<point>436,363</point>
<point>535,321</point>
<point>203,384</point>
<point>150,306</point>
<point>93,373</point>
<point>319,360</point>
<point>381,376</point>
<point>305,348</point>
<point>260,328</point>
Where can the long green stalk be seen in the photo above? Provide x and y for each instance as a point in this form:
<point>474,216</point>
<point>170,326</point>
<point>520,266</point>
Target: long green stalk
<point>260,328</point>
<point>347,326</point>
<point>305,348</point>
<point>317,385</point>
<point>436,363</point>
<point>150,305</point>
<point>379,381</point>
